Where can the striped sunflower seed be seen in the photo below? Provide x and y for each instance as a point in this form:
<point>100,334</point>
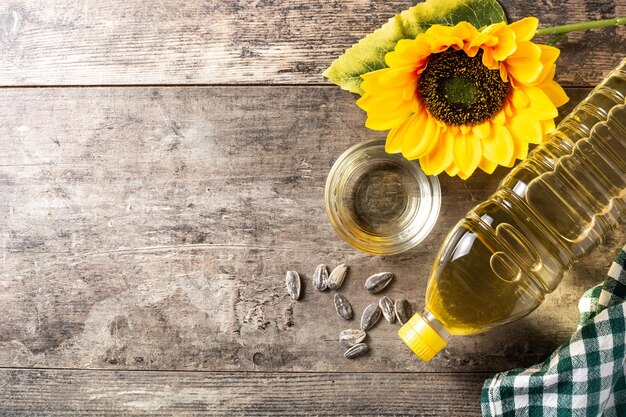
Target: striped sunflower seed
<point>351,337</point>
<point>378,282</point>
<point>343,307</point>
<point>293,284</point>
<point>370,316</point>
<point>386,306</point>
<point>320,278</point>
<point>356,350</point>
<point>336,278</point>
<point>403,310</point>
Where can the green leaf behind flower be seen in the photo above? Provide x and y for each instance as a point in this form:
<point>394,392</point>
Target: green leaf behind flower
<point>369,53</point>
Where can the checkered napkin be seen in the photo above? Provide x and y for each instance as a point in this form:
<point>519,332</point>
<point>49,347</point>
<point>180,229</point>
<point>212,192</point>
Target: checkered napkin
<point>585,376</point>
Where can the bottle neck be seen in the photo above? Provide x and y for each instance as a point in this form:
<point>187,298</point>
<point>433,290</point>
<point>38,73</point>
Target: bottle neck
<point>435,324</point>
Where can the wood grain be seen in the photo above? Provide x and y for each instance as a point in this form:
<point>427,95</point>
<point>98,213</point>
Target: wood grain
<point>151,228</point>
<point>118,42</point>
<point>87,393</point>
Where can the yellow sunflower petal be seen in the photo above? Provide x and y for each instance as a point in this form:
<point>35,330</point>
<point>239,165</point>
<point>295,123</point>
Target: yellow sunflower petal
<point>408,52</point>
<point>440,157</point>
<point>526,127</point>
<point>397,77</point>
<point>525,29</point>
<point>524,65</point>
<point>492,29</point>
<point>498,147</point>
<point>549,54</point>
<point>395,137</point>
<point>504,74</point>
<point>519,98</point>
<point>378,101</point>
<point>442,37</point>
<point>452,170</point>
<point>420,137</point>
<point>547,74</point>
<point>464,31</point>
<point>467,153</point>
<point>371,80</point>
<point>499,118</point>
<point>521,147</point>
<point>471,48</point>
<point>409,90</point>
<point>506,44</point>
<point>547,126</point>
<point>482,130</point>
<point>385,122</point>
<point>488,60</point>
<point>487,166</point>
<point>556,93</point>
<point>464,175</point>
<point>540,104</point>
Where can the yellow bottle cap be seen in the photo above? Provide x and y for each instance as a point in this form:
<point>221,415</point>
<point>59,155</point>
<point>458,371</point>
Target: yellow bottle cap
<point>423,340</point>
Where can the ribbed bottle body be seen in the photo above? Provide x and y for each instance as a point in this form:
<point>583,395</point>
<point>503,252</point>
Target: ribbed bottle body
<point>550,211</point>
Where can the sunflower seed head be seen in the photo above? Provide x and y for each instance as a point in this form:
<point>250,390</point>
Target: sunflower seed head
<point>343,307</point>
<point>293,284</point>
<point>356,350</point>
<point>320,277</point>
<point>351,337</point>
<point>370,316</point>
<point>336,278</point>
<point>403,310</point>
<point>386,306</point>
<point>378,282</point>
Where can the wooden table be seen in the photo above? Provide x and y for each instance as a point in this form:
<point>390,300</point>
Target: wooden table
<point>162,165</point>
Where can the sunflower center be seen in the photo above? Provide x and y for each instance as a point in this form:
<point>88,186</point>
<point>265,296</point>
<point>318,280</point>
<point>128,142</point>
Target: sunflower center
<point>460,90</point>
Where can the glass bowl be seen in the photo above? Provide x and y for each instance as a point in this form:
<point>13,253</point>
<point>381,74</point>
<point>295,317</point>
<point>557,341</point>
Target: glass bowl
<point>380,203</point>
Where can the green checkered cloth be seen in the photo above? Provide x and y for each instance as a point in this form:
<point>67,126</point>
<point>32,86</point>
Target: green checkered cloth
<point>585,376</point>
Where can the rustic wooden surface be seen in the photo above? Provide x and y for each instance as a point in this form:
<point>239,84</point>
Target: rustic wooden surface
<point>147,224</point>
<point>71,42</point>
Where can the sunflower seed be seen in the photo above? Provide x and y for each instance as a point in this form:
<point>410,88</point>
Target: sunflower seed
<point>293,284</point>
<point>386,306</point>
<point>403,310</point>
<point>337,276</point>
<point>343,307</point>
<point>378,282</point>
<point>351,337</point>
<point>370,316</point>
<point>356,350</point>
<point>320,278</point>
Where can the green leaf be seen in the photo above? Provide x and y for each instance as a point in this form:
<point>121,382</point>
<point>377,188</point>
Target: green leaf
<point>369,53</point>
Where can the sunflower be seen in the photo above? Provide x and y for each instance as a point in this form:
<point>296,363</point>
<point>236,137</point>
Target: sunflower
<point>458,98</point>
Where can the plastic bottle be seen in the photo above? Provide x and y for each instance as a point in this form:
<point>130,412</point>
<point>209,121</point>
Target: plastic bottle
<point>499,262</point>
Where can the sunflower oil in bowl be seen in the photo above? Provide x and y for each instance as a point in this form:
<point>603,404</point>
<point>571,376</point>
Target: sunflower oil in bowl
<point>499,262</point>
<point>380,203</point>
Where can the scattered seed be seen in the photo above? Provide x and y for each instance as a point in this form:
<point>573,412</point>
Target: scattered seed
<point>378,282</point>
<point>386,306</point>
<point>320,278</point>
<point>343,307</point>
<point>370,316</point>
<point>356,350</point>
<point>336,278</point>
<point>351,337</point>
<point>293,284</point>
<point>403,310</point>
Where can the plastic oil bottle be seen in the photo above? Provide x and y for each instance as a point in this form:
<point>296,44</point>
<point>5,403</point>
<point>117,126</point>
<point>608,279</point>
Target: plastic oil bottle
<point>499,262</point>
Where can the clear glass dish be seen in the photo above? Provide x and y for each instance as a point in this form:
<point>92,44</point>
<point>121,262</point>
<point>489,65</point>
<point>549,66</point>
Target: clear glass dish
<point>380,203</point>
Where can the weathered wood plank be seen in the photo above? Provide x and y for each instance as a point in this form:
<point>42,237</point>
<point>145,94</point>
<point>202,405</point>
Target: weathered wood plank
<point>151,228</point>
<point>62,42</point>
<point>103,393</point>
